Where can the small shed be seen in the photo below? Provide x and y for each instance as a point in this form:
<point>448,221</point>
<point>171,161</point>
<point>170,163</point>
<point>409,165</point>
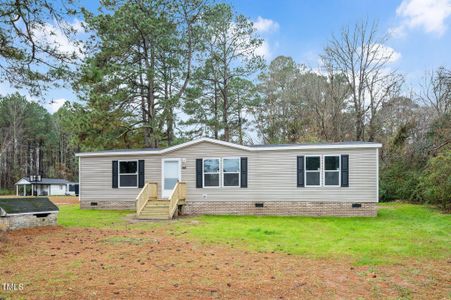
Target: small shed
<point>16,213</point>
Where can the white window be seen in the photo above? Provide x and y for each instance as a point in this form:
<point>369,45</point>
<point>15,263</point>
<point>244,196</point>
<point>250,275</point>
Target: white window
<point>331,170</point>
<point>128,173</point>
<point>313,170</point>
<point>211,170</point>
<point>231,171</point>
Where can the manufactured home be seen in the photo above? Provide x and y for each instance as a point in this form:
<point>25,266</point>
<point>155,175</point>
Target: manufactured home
<point>207,176</point>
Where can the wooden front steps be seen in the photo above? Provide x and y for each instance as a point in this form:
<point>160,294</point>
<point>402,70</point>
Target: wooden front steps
<point>155,209</point>
<point>148,206</point>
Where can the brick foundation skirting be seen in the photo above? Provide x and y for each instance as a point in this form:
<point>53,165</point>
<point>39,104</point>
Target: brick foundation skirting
<point>276,208</point>
<point>281,208</point>
<point>108,205</point>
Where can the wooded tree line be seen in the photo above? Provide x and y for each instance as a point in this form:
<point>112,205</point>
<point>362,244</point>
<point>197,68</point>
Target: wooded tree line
<point>157,73</point>
<point>33,142</point>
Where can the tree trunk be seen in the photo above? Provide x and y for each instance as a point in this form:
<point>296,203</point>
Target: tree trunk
<point>170,126</point>
<point>358,127</point>
<point>216,114</point>
<point>225,113</point>
<point>151,101</point>
<point>371,131</point>
<point>144,114</point>
<point>240,128</point>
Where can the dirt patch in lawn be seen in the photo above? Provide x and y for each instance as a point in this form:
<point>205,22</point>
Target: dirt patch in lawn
<point>55,199</point>
<point>72,263</point>
<point>58,200</point>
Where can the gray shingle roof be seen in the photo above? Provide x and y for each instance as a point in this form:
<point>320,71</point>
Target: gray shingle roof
<point>229,144</point>
<point>254,146</point>
<point>26,205</point>
<point>48,181</point>
<point>313,144</point>
<point>127,150</point>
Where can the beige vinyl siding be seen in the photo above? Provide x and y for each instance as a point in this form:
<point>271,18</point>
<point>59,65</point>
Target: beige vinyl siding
<point>271,176</point>
<point>96,178</point>
<point>209,150</point>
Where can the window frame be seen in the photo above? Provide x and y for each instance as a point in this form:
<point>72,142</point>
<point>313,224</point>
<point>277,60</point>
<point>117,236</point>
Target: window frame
<point>239,172</point>
<point>312,171</point>
<point>219,173</point>
<point>324,171</point>
<point>119,174</point>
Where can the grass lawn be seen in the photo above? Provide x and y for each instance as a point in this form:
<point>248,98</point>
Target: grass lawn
<point>73,216</point>
<point>401,231</point>
<point>402,254</point>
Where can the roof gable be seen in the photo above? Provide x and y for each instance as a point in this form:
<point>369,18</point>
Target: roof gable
<point>26,180</point>
<point>205,140</point>
<point>23,181</point>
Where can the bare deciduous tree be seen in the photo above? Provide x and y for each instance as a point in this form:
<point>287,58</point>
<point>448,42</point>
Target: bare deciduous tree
<point>436,90</point>
<point>360,55</point>
<point>381,88</point>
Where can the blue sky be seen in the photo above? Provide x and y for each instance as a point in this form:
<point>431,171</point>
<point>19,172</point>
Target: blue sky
<point>420,30</point>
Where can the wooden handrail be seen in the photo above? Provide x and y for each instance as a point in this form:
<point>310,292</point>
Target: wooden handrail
<point>178,194</point>
<point>149,190</point>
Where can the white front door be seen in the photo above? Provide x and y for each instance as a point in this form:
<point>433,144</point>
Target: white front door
<point>171,173</point>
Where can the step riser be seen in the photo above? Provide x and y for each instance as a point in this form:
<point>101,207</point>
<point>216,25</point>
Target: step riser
<point>158,215</point>
<point>155,209</point>
<point>154,214</point>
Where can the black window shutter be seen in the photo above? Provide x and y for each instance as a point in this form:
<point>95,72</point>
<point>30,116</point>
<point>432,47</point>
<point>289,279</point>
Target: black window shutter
<point>199,173</point>
<point>141,173</point>
<point>244,172</point>
<point>345,170</point>
<point>115,171</point>
<point>300,171</point>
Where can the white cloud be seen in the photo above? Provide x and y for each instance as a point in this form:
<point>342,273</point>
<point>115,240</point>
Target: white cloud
<point>54,105</point>
<point>386,52</point>
<point>77,25</point>
<point>263,25</point>
<point>264,50</point>
<point>56,37</point>
<point>429,15</point>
